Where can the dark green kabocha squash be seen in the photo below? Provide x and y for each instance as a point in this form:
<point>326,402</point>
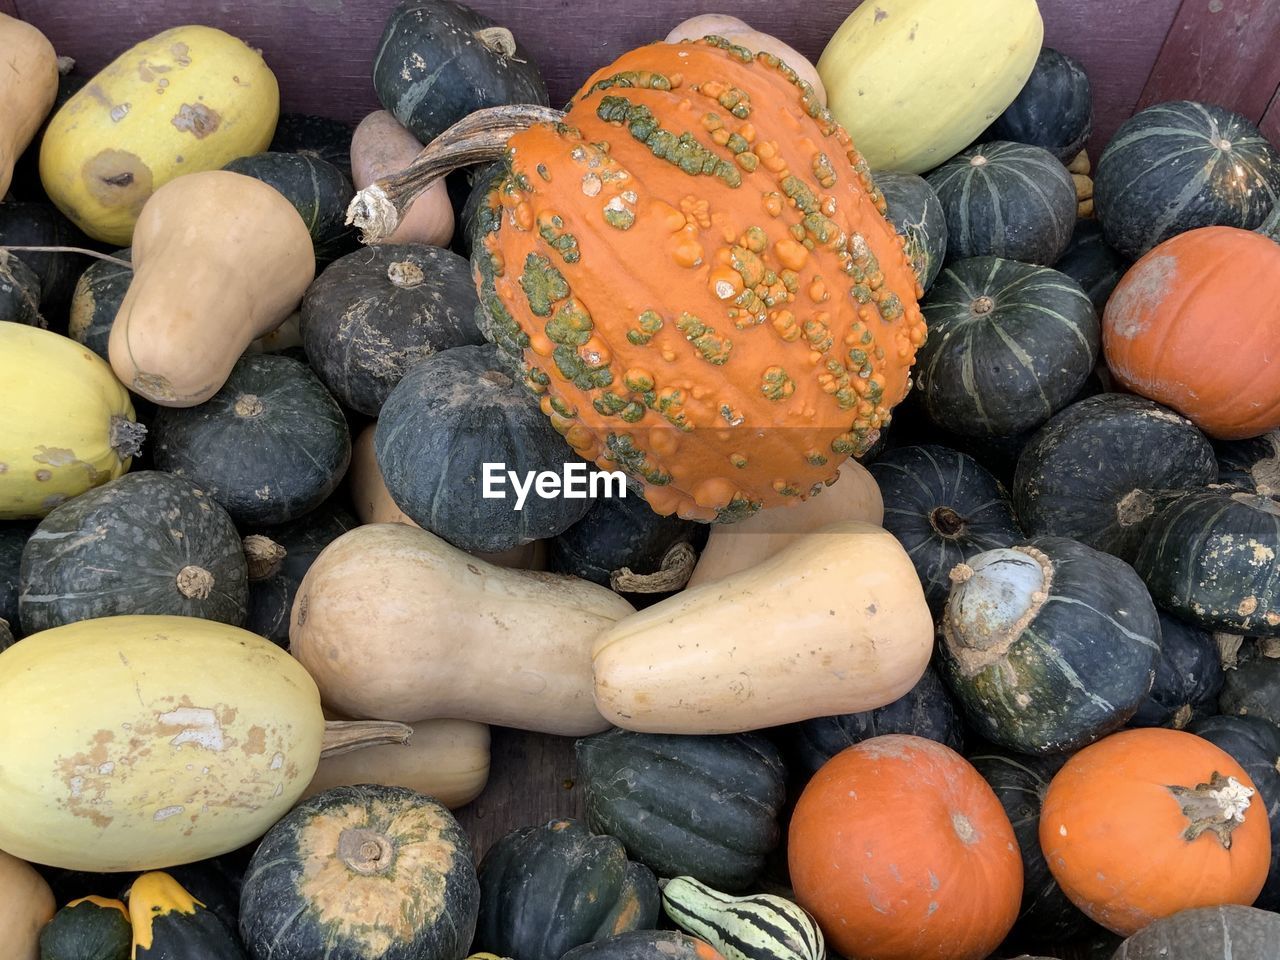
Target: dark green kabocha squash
<point>318,190</point>
<point>1251,465</point>
<point>96,301</point>
<point>7,639</point>
<point>374,313</point>
<point>1048,645</point>
<point>13,538</point>
<point>1009,200</point>
<point>439,61</point>
<point>1180,165</point>
<point>944,508</point>
<point>171,924</point>
<point>453,413</point>
<point>705,807</point>
<point>545,890</point>
<point>321,137</point>
<point>1228,932</point>
<point>361,873</point>
<point>215,883</point>
<point>1251,687</point>
<point>1020,783</point>
<point>1054,109</point>
<point>19,292</point>
<point>1091,262</point>
<point>42,224</point>
<point>279,557</point>
<point>91,928</point>
<point>1255,745</point>
<point>146,543</point>
<point>645,945</point>
<point>1009,346</point>
<point>1188,677</point>
<point>1099,470</point>
<point>1213,558</point>
<point>916,213</point>
<point>480,182</point>
<point>925,711</point>
<point>269,446</point>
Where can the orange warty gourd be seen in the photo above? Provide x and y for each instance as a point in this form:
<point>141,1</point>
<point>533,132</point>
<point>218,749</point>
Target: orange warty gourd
<point>695,271</point>
<point>1201,304</point>
<point>901,851</point>
<point>1146,823</point>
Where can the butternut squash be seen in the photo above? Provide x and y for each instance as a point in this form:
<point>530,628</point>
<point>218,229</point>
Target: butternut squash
<point>220,259</point>
<point>186,100</point>
<point>393,622</point>
<point>834,623</point>
<point>26,905</point>
<point>736,546</point>
<point>744,35</point>
<point>28,88</point>
<point>445,759</point>
<point>382,146</point>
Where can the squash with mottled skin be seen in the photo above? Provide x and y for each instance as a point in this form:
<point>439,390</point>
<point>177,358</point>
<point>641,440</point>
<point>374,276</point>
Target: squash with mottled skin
<point>27,905</point>
<point>1201,933</point>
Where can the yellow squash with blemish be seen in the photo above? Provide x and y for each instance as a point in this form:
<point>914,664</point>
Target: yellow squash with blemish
<point>173,739</point>
<point>68,424</point>
<point>188,99</point>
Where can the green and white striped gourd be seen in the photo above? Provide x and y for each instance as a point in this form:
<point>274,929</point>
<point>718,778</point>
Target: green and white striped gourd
<point>760,926</point>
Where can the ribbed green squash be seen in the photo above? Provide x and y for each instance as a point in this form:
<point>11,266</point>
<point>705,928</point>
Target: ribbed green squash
<point>759,926</point>
<point>91,928</point>
<point>1188,677</point>
<point>321,137</point>
<point>318,190</point>
<point>915,212</point>
<point>96,301</point>
<point>1206,933</point>
<point>1092,263</point>
<point>1054,109</point>
<point>170,924</point>
<point>1181,165</point>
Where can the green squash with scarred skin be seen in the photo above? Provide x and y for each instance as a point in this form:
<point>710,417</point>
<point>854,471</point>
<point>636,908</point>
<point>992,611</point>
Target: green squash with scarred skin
<point>913,208</point>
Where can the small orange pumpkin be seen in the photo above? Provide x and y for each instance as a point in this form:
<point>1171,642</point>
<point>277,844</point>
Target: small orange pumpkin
<point>901,851</point>
<point>1148,822</point>
<point>1194,325</point>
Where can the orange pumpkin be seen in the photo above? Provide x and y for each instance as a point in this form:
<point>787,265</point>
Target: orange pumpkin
<point>695,270</point>
<point>1194,325</point>
<point>901,851</point>
<point>1148,822</point>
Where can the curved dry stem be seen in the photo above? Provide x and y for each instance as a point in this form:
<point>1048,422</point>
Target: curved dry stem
<point>675,571</point>
<point>343,736</point>
<point>81,250</point>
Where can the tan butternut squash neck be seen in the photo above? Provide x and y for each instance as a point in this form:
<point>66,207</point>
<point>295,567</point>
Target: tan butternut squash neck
<point>343,736</point>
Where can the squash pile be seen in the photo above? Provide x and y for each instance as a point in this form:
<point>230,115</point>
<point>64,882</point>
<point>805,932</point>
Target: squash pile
<point>824,452</point>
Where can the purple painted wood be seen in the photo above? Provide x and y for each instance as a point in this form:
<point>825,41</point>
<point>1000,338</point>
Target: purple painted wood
<point>1271,121</point>
<point>9,7</point>
<point>321,49</point>
<point>1220,51</point>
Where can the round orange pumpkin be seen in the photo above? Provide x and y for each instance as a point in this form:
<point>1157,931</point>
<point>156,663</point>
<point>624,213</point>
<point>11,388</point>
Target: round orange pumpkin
<point>1148,822</point>
<point>1195,325</point>
<point>901,851</point>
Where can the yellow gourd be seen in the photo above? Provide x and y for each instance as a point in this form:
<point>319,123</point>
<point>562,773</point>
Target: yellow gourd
<point>68,424</point>
<point>189,99</point>
<point>28,87</point>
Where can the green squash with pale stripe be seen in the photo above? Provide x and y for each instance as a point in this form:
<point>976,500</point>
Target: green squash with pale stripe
<point>1181,165</point>
<point>760,926</point>
<point>915,211</point>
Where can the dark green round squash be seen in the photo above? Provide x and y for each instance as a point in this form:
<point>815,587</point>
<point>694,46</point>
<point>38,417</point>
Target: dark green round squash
<point>269,446</point>
<point>361,873</point>
<point>19,292</point>
<point>705,807</point>
<point>1091,262</point>
<point>1101,469</point>
<point>321,137</point>
<point>1206,933</point>
<point>439,61</point>
<point>374,313</point>
<point>453,413</point>
<point>1188,677</point>
<point>7,639</point>
<point>1251,465</point>
<point>645,945</point>
<point>96,301</point>
<point>1020,783</point>
<point>1054,109</point>
<point>1255,745</point>
<point>146,543</point>
<point>925,711</point>
<point>1181,165</point>
<point>479,183</point>
<point>1009,346</point>
<point>1048,646</point>
<point>1213,558</point>
<point>43,225</point>
<point>943,507</point>
<point>916,213</point>
<point>169,923</point>
<point>1251,688</point>
<point>92,928</point>
<point>545,890</point>
<point>318,190</point>
<point>283,554</point>
<point>1009,200</point>
<point>13,538</point>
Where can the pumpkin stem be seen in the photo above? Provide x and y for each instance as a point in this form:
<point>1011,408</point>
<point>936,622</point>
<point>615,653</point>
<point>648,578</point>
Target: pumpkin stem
<point>343,736</point>
<point>126,436</point>
<point>365,851</point>
<point>675,571</point>
<point>947,523</point>
<point>405,275</point>
<point>195,583</point>
<point>983,305</point>
<point>1218,806</point>
<point>84,251</point>
<point>263,555</point>
<point>1134,507</point>
<point>66,65</point>
<point>249,405</point>
<point>1182,717</point>
<point>1271,226</point>
<point>1229,645</point>
<point>478,138</point>
<point>500,40</point>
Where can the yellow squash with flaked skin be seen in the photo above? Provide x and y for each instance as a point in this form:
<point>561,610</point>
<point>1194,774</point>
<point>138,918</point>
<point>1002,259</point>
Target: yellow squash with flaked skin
<point>189,99</point>
<point>165,740</point>
<point>835,623</point>
<point>25,907</point>
<point>28,88</point>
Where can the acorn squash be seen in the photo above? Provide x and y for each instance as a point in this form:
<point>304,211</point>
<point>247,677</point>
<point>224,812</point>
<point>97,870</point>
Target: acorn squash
<point>90,928</point>
<point>170,924</point>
